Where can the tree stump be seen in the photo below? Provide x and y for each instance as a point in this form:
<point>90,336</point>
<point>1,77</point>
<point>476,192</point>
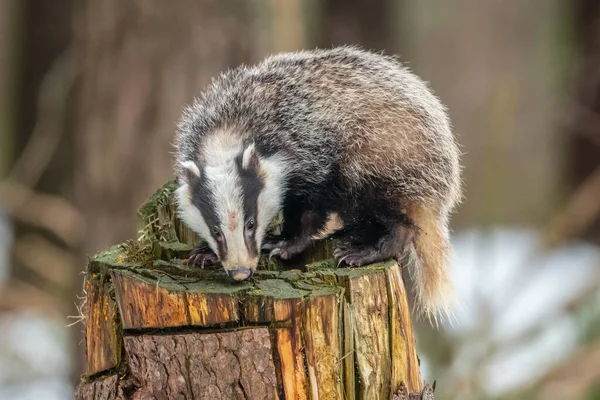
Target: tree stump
<point>158,328</point>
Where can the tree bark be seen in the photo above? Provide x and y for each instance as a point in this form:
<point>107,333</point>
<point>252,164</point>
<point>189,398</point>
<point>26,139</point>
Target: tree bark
<point>157,328</point>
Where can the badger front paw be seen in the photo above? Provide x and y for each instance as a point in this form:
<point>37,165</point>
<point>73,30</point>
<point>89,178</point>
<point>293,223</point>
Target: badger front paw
<point>202,257</point>
<point>285,249</point>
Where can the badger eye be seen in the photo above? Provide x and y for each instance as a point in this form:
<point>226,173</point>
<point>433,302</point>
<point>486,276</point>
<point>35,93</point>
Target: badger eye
<point>250,224</point>
<point>216,233</point>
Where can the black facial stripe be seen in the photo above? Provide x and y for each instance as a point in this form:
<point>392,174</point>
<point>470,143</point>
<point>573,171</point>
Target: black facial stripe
<point>252,184</point>
<point>203,199</point>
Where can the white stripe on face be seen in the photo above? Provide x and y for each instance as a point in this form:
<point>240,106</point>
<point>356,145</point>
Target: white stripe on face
<point>224,184</point>
<point>223,181</point>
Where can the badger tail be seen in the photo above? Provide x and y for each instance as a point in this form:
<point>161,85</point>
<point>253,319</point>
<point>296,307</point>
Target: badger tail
<point>429,254</point>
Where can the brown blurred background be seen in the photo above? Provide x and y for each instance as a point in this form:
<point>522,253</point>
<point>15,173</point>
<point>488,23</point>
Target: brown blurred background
<point>90,92</point>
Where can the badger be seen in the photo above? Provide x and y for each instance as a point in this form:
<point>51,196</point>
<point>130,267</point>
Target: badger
<point>341,141</point>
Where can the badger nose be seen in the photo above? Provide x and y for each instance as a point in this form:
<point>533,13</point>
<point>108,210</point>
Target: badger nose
<point>240,274</point>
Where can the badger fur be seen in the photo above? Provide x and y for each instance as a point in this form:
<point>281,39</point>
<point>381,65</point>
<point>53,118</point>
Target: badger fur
<point>342,141</point>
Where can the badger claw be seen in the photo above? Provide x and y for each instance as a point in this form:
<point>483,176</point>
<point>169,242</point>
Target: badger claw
<point>337,253</point>
<point>341,260</point>
<point>357,256</point>
<point>202,258</point>
<point>286,249</point>
<point>274,252</point>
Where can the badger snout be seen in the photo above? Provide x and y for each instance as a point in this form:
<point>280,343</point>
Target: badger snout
<point>241,273</point>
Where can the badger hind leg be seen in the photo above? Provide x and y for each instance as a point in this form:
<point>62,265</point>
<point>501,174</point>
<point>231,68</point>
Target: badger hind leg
<point>388,246</point>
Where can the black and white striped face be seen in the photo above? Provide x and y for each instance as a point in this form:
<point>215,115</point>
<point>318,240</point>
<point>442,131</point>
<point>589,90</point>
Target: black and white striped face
<point>230,199</point>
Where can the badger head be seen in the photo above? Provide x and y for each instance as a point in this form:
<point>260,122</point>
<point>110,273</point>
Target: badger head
<point>229,197</point>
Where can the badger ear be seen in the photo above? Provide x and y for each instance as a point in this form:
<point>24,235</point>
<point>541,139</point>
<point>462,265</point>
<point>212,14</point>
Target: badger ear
<point>250,161</point>
<point>189,172</point>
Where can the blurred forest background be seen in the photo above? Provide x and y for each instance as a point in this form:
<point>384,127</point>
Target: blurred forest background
<point>90,92</point>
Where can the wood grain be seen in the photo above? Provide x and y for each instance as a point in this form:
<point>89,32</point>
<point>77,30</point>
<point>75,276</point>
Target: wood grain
<point>322,345</point>
<point>405,363</point>
<point>103,338</point>
<point>369,301</point>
